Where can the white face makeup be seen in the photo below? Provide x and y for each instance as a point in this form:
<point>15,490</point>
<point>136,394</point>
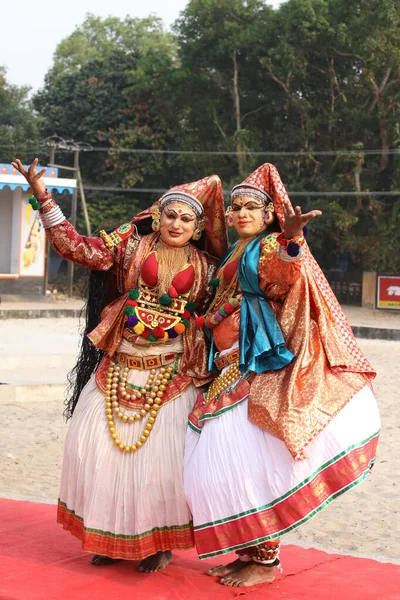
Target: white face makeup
<point>248,216</point>
<point>177,224</point>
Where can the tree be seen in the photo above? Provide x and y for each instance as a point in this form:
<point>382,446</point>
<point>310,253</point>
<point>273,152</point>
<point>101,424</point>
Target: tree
<point>220,42</point>
<point>18,123</point>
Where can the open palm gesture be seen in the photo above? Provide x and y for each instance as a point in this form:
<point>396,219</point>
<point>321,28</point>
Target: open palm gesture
<point>295,220</point>
<point>32,176</point>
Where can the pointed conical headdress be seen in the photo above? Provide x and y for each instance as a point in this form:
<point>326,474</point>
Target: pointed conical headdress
<point>206,198</point>
<point>265,184</point>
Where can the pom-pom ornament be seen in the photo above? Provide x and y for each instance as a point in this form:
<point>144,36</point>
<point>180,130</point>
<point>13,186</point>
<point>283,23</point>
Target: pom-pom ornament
<point>191,307</point>
<point>200,321</point>
<point>34,202</point>
<point>158,332</point>
<point>214,282</point>
<point>179,328</point>
<point>293,249</point>
<point>139,328</point>
<point>228,308</point>
<point>132,321</point>
<point>172,292</point>
<point>133,294</point>
<point>165,300</point>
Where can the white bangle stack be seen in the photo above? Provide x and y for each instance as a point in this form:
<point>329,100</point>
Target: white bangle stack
<point>53,217</point>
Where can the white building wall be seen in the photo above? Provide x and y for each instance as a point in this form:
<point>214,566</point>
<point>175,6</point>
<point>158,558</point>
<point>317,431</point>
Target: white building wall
<point>16,230</point>
<point>6,219</point>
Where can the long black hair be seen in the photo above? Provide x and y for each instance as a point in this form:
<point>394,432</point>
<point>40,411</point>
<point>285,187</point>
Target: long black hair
<point>100,290</point>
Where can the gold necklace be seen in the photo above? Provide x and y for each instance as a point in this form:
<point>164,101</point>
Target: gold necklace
<point>225,290</point>
<point>171,260</point>
<point>153,392</point>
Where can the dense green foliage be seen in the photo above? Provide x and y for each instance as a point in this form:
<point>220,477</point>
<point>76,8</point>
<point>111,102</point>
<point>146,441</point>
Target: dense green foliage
<point>237,76</point>
<point>18,130</point>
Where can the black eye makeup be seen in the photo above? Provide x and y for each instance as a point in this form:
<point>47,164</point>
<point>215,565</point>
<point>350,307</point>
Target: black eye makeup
<point>173,215</point>
<point>247,206</point>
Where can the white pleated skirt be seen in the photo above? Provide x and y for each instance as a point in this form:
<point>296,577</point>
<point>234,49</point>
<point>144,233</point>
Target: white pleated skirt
<point>126,505</point>
<point>244,487</point>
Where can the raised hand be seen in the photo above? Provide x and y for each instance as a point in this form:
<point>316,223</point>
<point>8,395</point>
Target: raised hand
<point>32,176</point>
<point>295,220</point>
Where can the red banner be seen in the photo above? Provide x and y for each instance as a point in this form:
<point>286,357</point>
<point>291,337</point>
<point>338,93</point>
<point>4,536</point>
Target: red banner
<point>388,292</point>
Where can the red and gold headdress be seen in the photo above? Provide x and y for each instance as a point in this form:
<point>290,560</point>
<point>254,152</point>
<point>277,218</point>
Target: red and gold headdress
<point>264,184</point>
<point>206,199</point>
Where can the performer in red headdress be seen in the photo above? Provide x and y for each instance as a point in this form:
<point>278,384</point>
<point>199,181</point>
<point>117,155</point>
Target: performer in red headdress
<point>291,422</point>
<point>121,486</point>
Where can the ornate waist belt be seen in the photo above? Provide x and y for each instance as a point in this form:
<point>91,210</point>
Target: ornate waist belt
<point>145,363</point>
<point>227,359</point>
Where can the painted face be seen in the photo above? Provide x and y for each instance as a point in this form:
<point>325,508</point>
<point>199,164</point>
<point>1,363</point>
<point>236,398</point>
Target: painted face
<point>248,216</point>
<point>177,224</point>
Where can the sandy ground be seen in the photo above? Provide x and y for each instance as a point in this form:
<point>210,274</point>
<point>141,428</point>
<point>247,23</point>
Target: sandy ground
<point>363,522</point>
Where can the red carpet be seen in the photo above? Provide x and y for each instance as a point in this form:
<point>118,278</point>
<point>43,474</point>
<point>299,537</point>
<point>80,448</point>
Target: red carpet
<point>40,561</point>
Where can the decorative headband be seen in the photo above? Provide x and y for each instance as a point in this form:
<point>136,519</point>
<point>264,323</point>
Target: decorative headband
<point>184,198</point>
<point>247,189</point>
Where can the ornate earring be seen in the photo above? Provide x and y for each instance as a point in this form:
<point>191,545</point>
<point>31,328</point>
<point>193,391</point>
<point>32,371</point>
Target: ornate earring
<point>199,230</point>
<point>155,215</point>
<point>269,213</point>
<point>228,216</point>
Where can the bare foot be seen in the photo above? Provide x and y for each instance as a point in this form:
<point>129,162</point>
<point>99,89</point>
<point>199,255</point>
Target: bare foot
<point>155,562</point>
<point>251,574</point>
<point>100,560</point>
<point>231,567</point>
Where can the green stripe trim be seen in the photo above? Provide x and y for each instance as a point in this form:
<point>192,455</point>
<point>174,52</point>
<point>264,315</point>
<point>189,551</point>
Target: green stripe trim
<point>121,536</point>
<point>131,386</point>
<point>312,514</point>
<point>221,411</point>
<point>290,492</point>
<point>194,428</point>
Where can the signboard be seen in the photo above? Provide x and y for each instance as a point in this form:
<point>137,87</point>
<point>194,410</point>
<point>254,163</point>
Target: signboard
<point>32,243</point>
<point>388,292</point>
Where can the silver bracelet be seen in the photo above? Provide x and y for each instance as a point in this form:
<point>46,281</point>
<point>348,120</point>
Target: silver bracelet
<point>54,217</point>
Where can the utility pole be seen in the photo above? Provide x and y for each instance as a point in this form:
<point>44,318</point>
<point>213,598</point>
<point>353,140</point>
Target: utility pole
<point>52,147</point>
<point>74,208</point>
<point>84,205</point>
<point>54,142</point>
<point>52,153</point>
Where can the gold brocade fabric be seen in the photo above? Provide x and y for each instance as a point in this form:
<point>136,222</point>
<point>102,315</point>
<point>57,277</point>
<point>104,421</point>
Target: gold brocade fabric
<point>89,252</point>
<point>226,333</point>
<point>296,403</point>
<point>108,334</point>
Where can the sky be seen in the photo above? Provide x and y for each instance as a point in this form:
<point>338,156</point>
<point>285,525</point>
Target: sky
<point>31,31</point>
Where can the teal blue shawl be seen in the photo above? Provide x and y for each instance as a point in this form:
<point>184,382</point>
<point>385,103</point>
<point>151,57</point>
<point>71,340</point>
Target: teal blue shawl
<point>261,343</point>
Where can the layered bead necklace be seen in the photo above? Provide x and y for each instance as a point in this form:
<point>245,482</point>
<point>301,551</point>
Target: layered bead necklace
<point>223,382</point>
<point>152,392</point>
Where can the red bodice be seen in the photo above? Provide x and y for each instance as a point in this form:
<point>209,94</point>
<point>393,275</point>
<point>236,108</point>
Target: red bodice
<point>230,270</point>
<point>182,282</point>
